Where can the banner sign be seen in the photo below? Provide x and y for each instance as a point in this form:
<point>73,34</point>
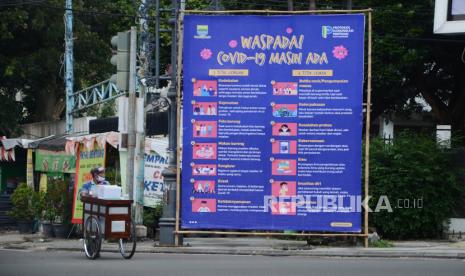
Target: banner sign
<point>156,160</point>
<point>43,183</point>
<point>272,122</point>
<point>29,169</point>
<point>86,161</point>
<point>55,161</point>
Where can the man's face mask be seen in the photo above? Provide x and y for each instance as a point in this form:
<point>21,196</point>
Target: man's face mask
<point>100,179</point>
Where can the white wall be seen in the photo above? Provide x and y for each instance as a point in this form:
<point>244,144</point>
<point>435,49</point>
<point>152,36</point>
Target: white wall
<point>457,225</point>
<point>44,129</point>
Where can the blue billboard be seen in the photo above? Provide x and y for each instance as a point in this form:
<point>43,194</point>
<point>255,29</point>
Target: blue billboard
<point>272,122</point>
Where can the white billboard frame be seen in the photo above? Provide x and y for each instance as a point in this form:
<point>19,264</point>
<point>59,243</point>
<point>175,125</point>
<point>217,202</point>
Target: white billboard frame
<point>442,24</point>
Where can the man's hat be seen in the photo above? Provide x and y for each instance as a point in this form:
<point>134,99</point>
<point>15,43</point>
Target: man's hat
<point>98,170</point>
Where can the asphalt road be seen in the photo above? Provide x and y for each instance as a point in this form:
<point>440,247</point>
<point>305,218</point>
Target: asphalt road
<point>14,262</point>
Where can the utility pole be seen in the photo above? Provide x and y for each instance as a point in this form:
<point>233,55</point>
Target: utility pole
<point>168,219</point>
<point>140,129</point>
<point>132,116</point>
<point>290,5</point>
<point>125,44</point>
<point>69,75</point>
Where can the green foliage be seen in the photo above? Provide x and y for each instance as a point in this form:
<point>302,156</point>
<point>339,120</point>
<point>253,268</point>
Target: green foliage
<point>9,119</point>
<point>112,176</point>
<point>27,204</point>
<point>49,213</point>
<point>413,167</point>
<point>381,244</point>
<point>108,109</point>
<point>408,60</point>
<point>104,110</point>
<point>152,216</point>
<point>31,55</point>
<point>58,201</point>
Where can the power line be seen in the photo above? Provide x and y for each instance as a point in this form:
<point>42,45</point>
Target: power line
<point>78,11</point>
<point>429,39</point>
<point>41,3</point>
<point>21,3</point>
<point>270,4</point>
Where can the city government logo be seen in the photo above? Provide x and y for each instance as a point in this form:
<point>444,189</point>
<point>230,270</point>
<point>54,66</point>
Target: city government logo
<point>202,32</point>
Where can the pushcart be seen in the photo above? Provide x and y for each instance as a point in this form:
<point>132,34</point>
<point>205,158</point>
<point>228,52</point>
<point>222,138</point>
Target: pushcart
<point>109,220</point>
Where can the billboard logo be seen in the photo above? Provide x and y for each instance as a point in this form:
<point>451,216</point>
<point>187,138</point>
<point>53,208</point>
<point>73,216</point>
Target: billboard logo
<point>202,32</point>
<point>336,31</point>
<point>326,30</point>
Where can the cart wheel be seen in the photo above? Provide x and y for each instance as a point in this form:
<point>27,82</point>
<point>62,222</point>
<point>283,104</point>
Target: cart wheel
<point>92,238</point>
<point>127,246</point>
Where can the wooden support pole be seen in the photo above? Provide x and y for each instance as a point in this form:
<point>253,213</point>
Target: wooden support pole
<point>367,130</point>
<point>178,121</point>
<point>274,12</point>
<point>367,105</point>
<point>270,234</point>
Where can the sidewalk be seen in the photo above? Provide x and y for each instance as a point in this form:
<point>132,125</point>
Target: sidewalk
<point>250,246</point>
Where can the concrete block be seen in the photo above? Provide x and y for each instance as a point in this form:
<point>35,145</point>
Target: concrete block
<point>141,231</point>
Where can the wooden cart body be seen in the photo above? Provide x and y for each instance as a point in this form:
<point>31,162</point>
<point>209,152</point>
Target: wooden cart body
<point>114,216</point>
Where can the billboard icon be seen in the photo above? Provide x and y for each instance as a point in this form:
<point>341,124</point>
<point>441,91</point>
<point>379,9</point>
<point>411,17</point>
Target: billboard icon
<point>202,31</point>
<point>326,30</point>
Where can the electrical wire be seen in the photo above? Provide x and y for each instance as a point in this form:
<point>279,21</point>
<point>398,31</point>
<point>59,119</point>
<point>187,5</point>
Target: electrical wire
<point>21,3</point>
<point>268,3</point>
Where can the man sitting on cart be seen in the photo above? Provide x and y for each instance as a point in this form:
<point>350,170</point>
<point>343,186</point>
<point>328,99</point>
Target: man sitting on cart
<point>98,178</point>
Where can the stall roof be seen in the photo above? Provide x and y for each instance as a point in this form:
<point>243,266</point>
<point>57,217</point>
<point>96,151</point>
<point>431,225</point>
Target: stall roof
<point>54,142</point>
<point>9,144</point>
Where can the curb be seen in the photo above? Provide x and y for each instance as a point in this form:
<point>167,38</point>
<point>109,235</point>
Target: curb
<point>265,252</point>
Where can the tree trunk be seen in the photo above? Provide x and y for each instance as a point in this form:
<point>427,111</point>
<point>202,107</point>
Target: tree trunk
<point>457,103</point>
<point>290,5</point>
<point>50,103</point>
<point>451,112</point>
<point>312,5</point>
<point>349,4</point>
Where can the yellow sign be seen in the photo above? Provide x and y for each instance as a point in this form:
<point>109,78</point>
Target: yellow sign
<point>29,169</point>
<point>228,72</point>
<point>86,161</point>
<point>312,73</point>
<point>341,224</point>
<point>43,183</point>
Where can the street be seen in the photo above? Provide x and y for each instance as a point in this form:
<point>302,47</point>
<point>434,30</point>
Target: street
<point>14,262</point>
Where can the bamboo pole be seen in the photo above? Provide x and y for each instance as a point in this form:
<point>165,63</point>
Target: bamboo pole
<point>275,12</point>
<point>178,124</point>
<point>271,233</point>
<point>367,129</point>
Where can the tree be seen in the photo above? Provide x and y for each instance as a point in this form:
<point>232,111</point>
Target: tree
<point>30,48</point>
<point>9,120</point>
<point>408,60</point>
<point>31,55</point>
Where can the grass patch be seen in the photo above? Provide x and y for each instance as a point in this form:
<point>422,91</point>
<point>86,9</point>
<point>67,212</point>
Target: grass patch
<point>381,244</point>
